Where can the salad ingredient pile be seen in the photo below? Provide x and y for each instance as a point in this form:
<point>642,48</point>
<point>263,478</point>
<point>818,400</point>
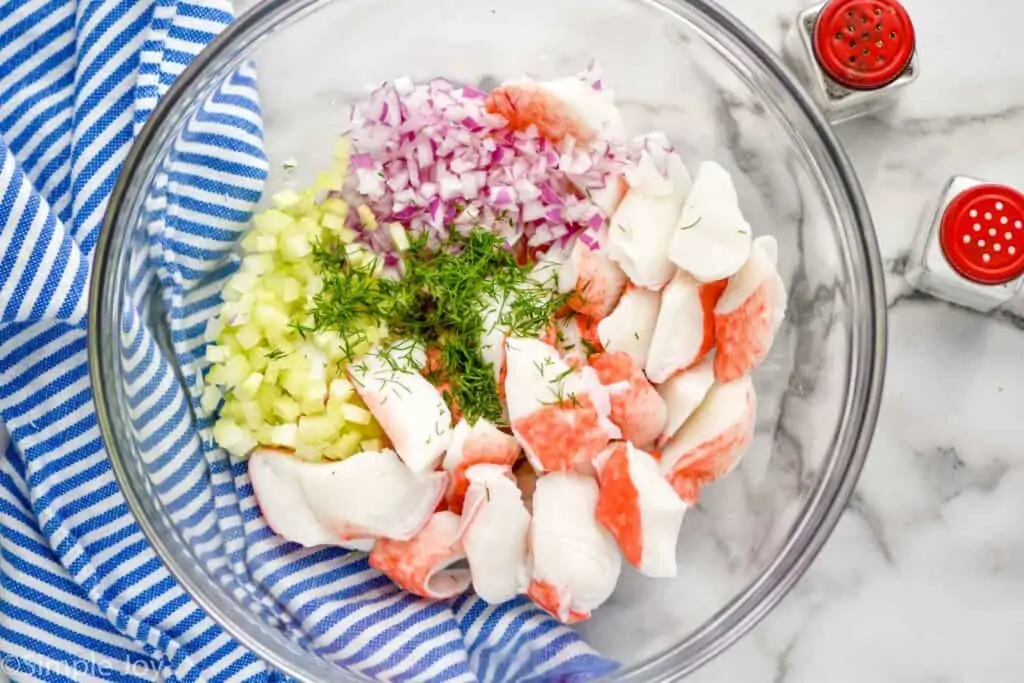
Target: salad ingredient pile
<point>498,344</point>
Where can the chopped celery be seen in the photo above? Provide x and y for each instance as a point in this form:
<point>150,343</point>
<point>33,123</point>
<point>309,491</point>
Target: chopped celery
<point>318,429</point>
<point>272,221</point>
<point>286,199</point>
<point>273,382</point>
<point>285,435</point>
<point>216,354</point>
<point>367,218</point>
<point>248,336</point>
<point>346,446</point>
<point>211,399</point>
<point>399,236</point>
<point>287,409</point>
<point>335,207</point>
<point>355,414</point>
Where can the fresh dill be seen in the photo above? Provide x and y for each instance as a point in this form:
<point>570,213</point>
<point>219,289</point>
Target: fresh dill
<point>439,305</point>
<point>691,225</point>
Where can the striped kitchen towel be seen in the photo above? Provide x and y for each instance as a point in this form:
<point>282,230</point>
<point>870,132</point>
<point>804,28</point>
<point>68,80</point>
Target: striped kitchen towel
<point>82,595</point>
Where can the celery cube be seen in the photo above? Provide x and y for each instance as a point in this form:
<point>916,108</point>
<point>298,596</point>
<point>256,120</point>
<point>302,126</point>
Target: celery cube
<point>210,399</point>
<point>246,391</point>
<point>287,409</point>
<point>355,414</point>
<point>284,435</point>
<point>286,199</point>
<point>248,336</point>
<point>346,446</point>
<point>216,354</point>
<point>272,221</point>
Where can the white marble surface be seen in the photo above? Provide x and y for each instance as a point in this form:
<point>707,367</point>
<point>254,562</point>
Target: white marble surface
<point>923,579</point>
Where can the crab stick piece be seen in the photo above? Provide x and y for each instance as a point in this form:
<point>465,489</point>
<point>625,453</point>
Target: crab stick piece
<point>410,410</point>
<point>749,313</point>
<point>367,496</point>
<point>639,508</point>
<point>558,413</point>
<point>483,443</point>
<point>575,561</point>
<point>711,240</point>
<point>575,336</point>
<point>642,227</point>
<point>492,339</point>
<point>685,330</point>
<point>713,441</point>
<point>683,393</point>
<point>595,280</point>
<point>609,197</point>
<point>558,109</point>
<point>637,409</point>
<point>495,525</point>
<point>630,327</point>
<point>422,564</point>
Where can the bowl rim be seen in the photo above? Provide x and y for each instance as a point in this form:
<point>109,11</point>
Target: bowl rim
<point>835,484</point>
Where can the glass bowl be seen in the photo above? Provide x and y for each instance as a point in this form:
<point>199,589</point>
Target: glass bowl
<point>687,68</point>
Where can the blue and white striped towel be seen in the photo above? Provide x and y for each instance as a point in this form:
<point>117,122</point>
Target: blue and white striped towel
<point>82,595</point>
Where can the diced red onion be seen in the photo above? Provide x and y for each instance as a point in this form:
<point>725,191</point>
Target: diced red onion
<point>431,157</point>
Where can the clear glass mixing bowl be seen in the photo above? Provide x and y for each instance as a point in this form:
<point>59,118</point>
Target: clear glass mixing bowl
<point>687,68</point>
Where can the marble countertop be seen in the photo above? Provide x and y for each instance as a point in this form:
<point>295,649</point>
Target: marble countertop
<point>923,579</point>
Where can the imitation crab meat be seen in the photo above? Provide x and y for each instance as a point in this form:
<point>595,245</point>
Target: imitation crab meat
<point>642,226</point>
<point>575,561</point>
<point>640,509</point>
<point>366,496</point>
<point>558,413</point>
<point>637,409</point>
<point>495,524</point>
<point>575,337</point>
<point>596,281</point>
<point>410,410</point>
<point>712,238</point>
<point>683,393</point>
<point>422,565</point>
<point>630,327</point>
<point>713,441</point>
<point>749,313</point>
<point>481,444</point>
<point>685,331</point>
<point>558,109</point>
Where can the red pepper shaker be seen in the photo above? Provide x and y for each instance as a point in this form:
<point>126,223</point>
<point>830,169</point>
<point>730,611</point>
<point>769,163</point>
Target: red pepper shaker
<point>971,251</point>
<point>853,55</point>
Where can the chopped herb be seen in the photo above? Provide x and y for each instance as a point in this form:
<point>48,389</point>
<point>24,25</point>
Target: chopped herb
<point>588,347</point>
<point>636,335</point>
<point>299,328</point>
<point>564,374</point>
<point>691,225</point>
<point>620,227</point>
<point>439,304</point>
<point>276,354</point>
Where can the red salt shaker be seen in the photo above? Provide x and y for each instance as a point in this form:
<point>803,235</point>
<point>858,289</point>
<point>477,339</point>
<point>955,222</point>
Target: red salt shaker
<point>971,250</point>
<point>853,55</point>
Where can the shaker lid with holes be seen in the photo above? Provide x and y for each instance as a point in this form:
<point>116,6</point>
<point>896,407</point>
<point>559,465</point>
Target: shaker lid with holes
<point>864,44</point>
<point>982,234</point>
